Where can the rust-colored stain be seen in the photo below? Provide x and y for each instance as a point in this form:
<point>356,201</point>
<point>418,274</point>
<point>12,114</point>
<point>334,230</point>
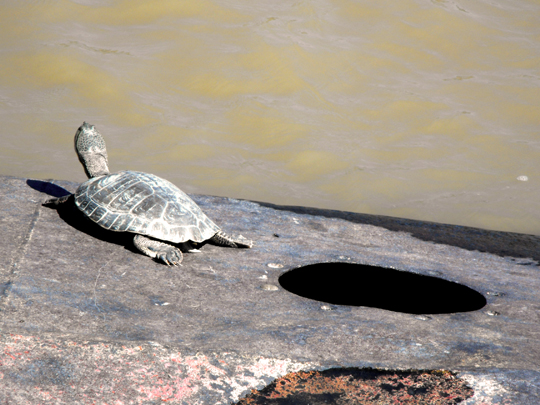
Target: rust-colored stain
<point>348,386</point>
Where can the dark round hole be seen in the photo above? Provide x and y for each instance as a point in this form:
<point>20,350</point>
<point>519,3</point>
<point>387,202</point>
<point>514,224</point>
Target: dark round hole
<point>380,287</point>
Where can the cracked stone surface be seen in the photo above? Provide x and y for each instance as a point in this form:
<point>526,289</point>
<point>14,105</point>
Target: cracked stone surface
<point>77,302</point>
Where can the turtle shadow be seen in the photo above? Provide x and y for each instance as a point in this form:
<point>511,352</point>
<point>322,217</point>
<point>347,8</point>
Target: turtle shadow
<point>72,216</point>
<point>47,187</point>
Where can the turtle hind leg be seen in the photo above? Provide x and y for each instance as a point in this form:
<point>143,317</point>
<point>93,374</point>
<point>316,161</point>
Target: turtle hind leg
<point>54,202</point>
<point>222,239</point>
<point>168,254</point>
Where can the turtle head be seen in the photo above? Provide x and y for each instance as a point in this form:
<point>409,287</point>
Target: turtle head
<point>90,147</point>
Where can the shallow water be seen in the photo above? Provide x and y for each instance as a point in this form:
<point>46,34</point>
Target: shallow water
<point>418,109</point>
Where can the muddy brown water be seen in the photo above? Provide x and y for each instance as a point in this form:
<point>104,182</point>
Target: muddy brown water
<point>418,109</point>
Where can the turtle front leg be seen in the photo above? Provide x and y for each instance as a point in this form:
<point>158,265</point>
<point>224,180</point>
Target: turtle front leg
<point>168,254</point>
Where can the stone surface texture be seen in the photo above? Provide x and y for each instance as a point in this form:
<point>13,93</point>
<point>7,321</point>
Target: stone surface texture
<point>87,319</point>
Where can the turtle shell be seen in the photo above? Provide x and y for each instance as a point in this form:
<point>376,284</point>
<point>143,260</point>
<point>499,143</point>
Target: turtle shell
<point>142,203</point>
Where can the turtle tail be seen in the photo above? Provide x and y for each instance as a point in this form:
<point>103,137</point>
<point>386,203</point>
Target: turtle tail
<point>222,239</point>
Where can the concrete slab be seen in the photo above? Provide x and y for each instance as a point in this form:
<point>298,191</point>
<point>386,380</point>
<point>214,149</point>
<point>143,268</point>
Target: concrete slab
<point>72,291</point>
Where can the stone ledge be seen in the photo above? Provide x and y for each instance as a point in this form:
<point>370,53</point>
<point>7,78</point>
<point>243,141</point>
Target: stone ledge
<point>67,281</point>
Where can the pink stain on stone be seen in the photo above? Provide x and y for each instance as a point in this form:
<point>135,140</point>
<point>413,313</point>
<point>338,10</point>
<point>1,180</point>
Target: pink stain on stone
<point>55,371</point>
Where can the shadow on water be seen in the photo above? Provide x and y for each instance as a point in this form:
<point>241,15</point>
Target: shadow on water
<point>499,243</point>
<point>71,215</point>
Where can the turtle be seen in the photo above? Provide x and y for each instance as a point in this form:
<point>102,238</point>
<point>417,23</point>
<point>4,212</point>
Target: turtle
<point>164,220</point>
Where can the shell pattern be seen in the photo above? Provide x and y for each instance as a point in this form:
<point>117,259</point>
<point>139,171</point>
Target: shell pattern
<point>142,203</point>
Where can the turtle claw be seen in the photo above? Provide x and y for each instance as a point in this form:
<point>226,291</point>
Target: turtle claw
<point>170,261</point>
<point>164,260</point>
<point>171,257</point>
